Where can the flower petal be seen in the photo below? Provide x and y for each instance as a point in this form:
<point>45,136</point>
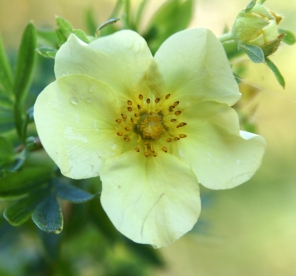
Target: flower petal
<point>119,60</point>
<point>152,200</point>
<point>73,118</point>
<point>192,66</point>
<point>220,155</point>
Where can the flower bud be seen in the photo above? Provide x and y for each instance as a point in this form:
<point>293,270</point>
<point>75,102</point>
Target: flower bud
<point>258,26</point>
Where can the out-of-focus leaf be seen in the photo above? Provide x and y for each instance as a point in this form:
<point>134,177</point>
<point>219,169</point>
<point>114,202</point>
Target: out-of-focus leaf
<point>16,184</point>
<point>5,71</point>
<point>254,52</point>
<point>25,63</point>
<point>72,193</point>
<point>276,72</point>
<point>31,143</point>
<point>6,151</point>
<point>65,28</point>
<point>289,37</point>
<point>7,119</point>
<point>22,209</point>
<point>48,215</point>
<point>139,13</point>
<point>250,6</point>
<point>90,21</point>
<point>51,244</point>
<point>146,252</point>
<point>80,34</point>
<point>18,161</point>
<point>231,49</point>
<point>173,16</point>
<point>47,37</point>
<point>47,52</point>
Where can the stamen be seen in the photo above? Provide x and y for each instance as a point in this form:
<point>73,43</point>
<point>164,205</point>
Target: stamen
<point>132,120</point>
<point>148,101</point>
<point>171,108</point>
<point>176,103</point>
<point>129,102</point>
<point>127,139</point>
<point>181,125</point>
<point>118,121</point>
<point>137,149</point>
<point>167,96</point>
<point>176,138</point>
<point>123,116</point>
<point>119,133</point>
<point>129,109</point>
<point>139,107</point>
<point>182,135</point>
<point>154,154</point>
<point>157,100</point>
<point>146,154</point>
<point>141,97</point>
<point>177,112</point>
<point>127,128</point>
<point>164,149</point>
<point>136,115</point>
<point>173,120</point>
<point>169,140</point>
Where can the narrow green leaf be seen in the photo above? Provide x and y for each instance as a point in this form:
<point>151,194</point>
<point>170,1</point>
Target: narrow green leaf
<point>25,63</point>
<point>6,151</point>
<point>47,52</point>
<point>7,119</point>
<point>250,6</point>
<point>22,209</point>
<point>72,193</point>
<point>139,13</point>
<point>254,52</point>
<point>15,184</point>
<point>65,28</point>
<point>5,71</point>
<point>80,34</point>
<point>90,21</point>
<point>48,215</point>
<point>276,72</point>
<point>289,37</point>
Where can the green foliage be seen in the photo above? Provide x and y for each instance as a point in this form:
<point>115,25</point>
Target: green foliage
<point>250,6</point>
<point>289,37</point>
<point>276,72</point>
<point>6,82</point>
<point>254,52</point>
<point>47,52</point>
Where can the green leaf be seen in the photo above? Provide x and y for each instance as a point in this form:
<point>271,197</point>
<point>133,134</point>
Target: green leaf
<point>90,21</point>
<point>22,209</point>
<point>31,143</point>
<point>48,215</point>
<point>139,13</point>
<point>289,37</point>
<point>250,6</point>
<point>276,72</point>
<point>72,193</point>
<point>5,71</point>
<point>172,16</point>
<point>16,184</point>
<point>47,52</point>
<point>65,28</point>
<point>6,151</point>
<point>7,119</point>
<point>25,63</point>
<point>81,35</point>
<point>254,52</point>
<point>47,37</point>
<point>51,244</point>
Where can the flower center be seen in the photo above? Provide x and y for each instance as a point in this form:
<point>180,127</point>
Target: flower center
<point>151,124</point>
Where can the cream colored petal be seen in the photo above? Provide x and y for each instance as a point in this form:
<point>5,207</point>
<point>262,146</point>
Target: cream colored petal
<point>75,119</point>
<point>152,200</point>
<point>192,66</point>
<point>119,60</point>
<point>220,155</point>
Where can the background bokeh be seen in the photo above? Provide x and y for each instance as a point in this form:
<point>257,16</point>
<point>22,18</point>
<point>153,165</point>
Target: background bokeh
<point>249,230</point>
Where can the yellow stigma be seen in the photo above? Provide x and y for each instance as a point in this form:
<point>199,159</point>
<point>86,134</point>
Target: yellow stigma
<point>151,126</point>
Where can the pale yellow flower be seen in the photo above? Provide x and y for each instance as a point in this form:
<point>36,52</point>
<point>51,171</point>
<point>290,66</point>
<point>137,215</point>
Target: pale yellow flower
<point>150,127</point>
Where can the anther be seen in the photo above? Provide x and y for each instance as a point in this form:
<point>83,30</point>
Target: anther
<point>129,102</point>
<point>127,139</point>
<point>148,101</point>
<point>127,128</point>
<point>171,108</point>
<point>118,121</point>
<point>119,133</point>
<point>146,154</point>
<point>169,140</point>
<point>129,109</point>
<point>182,135</point>
<point>176,138</point>
<point>154,154</point>
<point>137,149</point>
<point>173,120</point>
<point>139,107</point>
<point>181,125</point>
<point>164,149</point>
<point>136,115</point>
<point>132,120</point>
<point>157,100</point>
<point>176,103</point>
<point>123,116</point>
<point>177,112</point>
<point>167,96</point>
<point>141,97</point>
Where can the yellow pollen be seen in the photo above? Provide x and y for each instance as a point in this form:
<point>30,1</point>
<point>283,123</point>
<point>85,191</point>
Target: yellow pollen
<point>176,103</point>
<point>182,136</point>
<point>118,121</point>
<point>164,149</point>
<point>136,115</point>
<point>173,120</point>
<point>146,154</point>
<point>124,116</point>
<point>119,133</point>
<point>137,149</point>
<point>139,107</point>
<point>129,102</point>
<point>129,109</point>
<point>176,138</point>
<point>154,154</point>
<point>181,125</point>
<point>132,120</point>
<point>157,100</point>
<point>151,126</point>
<point>167,96</point>
<point>127,139</point>
<point>127,128</point>
<point>169,140</point>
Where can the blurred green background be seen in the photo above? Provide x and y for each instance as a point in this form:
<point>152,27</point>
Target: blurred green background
<point>249,230</point>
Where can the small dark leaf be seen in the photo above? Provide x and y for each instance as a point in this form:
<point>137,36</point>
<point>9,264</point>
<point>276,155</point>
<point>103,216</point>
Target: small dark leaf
<point>48,215</point>
<point>276,72</point>
<point>250,6</point>
<point>47,52</point>
<point>22,209</point>
<point>254,52</point>
<point>72,193</point>
<point>5,71</point>
<point>289,37</point>
<point>25,63</point>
